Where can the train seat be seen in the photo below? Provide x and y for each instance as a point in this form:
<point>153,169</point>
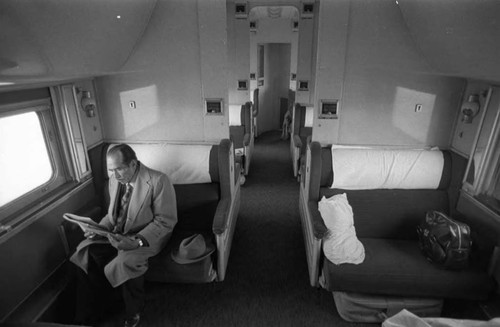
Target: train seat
<point>301,135</point>
<point>208,199</point>
<point>241,133</point>
<point>385,221</point>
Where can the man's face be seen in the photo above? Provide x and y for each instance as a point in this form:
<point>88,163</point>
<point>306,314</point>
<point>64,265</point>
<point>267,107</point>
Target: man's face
<point>123,173</point>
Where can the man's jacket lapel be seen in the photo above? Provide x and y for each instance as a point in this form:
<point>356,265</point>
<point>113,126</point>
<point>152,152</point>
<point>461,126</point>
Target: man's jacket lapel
<point>141,190</point>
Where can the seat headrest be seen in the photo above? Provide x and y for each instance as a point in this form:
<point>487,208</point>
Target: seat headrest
<point>182,163</point>
<point>356,169</point>
<point>235,115</point>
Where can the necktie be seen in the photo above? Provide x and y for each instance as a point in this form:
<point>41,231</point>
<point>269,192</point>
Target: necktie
<point>122,215</point>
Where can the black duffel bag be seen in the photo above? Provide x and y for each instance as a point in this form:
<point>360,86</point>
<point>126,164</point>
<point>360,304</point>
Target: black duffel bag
<point>445,241</point>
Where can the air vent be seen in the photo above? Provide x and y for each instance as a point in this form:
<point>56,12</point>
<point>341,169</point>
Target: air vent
<point>242,84</point>
<point>303,86</point>
<point>329,109</point>
<point>214,106</point>
<point>307,10</point>
<point>241,10</point>
<point>253,26</point>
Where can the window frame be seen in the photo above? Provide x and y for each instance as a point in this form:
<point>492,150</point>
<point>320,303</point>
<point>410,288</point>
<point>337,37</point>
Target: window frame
<point>484,167</point>
<point>48,123</point>
<point>65,123</point>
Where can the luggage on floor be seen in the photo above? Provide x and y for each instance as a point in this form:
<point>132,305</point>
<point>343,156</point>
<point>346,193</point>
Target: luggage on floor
<point>356,307</point>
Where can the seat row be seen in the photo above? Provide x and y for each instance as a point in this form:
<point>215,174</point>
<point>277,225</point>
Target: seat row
<point>206,179</point>
<point>378,196</point>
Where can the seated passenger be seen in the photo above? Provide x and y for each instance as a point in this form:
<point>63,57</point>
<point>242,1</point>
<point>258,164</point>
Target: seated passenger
<point>141,216</point>
<point>287,121</point>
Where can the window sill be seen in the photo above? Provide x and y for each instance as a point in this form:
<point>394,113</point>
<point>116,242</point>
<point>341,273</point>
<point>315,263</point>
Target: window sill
<point>473,201</point>
<point>13,224</point>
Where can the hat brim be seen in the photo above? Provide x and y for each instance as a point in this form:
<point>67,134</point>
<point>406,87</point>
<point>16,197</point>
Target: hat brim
<point>180,260</point>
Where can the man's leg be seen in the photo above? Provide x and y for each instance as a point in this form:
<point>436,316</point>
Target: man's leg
<point>93,287</point>
<point>134,295</point>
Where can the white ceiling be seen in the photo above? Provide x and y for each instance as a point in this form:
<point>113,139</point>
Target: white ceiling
<point>457,37</point>
<point>60,39</point>
<point>56,38</point>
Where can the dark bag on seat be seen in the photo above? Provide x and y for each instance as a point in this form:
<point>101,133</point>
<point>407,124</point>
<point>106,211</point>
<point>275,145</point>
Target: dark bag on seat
<point>445,241</point>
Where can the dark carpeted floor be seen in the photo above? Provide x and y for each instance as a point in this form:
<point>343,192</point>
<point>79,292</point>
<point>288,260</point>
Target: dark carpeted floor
<point>267,281</point>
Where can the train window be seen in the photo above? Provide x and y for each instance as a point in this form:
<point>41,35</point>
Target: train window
<point>30,160</point>
<point>483,173</point>
<point>23,153</point>
<point>489,192</point>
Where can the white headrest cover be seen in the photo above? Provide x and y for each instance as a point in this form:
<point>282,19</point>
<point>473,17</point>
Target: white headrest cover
<point>182,163</point>
<point>308,120</point>
<point>234,115</point>
<point>364,169</point>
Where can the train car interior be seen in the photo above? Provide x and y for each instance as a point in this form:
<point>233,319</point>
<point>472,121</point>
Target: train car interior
<point>314,149</point>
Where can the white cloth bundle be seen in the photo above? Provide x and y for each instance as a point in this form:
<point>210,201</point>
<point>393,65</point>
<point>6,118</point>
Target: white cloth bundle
<point>341,245</point>
<point>368,169</point>
<point>406,318</point>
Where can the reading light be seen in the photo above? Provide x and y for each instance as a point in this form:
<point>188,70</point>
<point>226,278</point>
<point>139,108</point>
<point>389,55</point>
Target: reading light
<point>88,104</point>
<point>470,108</point>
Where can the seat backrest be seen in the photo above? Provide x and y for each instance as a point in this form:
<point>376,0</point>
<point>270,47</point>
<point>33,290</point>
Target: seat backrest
<point>255,107</point>
<point>302,123</point>
<point>387,212</point>
<point>240,123</point>
<point>198,171</point>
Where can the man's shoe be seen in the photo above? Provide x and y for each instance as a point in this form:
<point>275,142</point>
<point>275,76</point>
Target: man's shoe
<point>132,321</point>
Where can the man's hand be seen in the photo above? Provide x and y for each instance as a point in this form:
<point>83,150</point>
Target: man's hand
<point>121,242</point>
<point>89,235</point>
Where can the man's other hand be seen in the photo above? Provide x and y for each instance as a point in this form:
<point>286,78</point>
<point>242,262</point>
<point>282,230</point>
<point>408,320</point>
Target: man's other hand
<point>121,242</point>
<point>90,235</point>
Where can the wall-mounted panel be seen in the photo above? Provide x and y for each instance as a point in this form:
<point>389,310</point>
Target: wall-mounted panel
<point>332,46</point>
<point>385,79</point>
<point>238,42</point>
<point>214,75</point>
<point>162,78</point>
<point>91,125</point>
<point>465,132</point>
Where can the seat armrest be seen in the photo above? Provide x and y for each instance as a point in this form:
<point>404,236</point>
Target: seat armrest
<point>246,139</point>
<point>319,228</point>
<point>237,171</point>
<point>221,216</point>
<point>297,141</point>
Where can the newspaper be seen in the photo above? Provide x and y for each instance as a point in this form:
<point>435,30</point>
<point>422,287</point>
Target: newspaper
<point>87,224</point>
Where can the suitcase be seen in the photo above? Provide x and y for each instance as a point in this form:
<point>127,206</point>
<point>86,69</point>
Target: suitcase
<point>366,308</point>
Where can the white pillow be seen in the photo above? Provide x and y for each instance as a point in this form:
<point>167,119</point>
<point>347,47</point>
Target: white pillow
<point>341,244</point>
<point>308,119</point>
<point>234,115</point>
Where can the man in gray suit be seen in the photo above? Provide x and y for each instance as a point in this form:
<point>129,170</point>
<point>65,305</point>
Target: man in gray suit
<point>141,216</point>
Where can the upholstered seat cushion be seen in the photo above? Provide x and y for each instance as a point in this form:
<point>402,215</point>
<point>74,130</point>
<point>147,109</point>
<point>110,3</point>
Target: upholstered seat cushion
<point>237,135</point>
<point>397,267</point>
<point>196,205</point>
<point>391,214</point>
